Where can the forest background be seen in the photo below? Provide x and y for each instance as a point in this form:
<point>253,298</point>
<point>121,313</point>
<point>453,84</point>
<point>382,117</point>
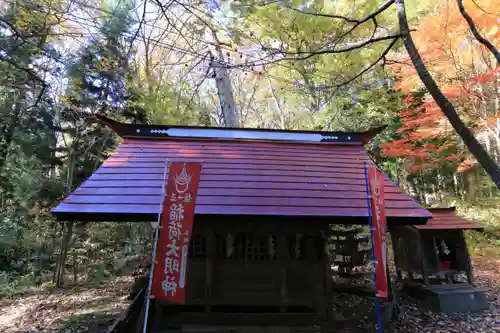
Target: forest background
<point>321,65</point>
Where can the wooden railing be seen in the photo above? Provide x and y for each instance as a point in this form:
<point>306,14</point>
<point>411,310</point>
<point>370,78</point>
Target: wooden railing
<point>127,322</point>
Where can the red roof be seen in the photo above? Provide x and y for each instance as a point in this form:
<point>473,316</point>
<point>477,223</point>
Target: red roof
<point>239,177</point>
<point>446,218</point>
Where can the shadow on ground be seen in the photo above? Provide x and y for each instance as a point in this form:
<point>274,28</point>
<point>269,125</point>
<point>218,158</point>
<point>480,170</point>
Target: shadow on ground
<point>95,322</point>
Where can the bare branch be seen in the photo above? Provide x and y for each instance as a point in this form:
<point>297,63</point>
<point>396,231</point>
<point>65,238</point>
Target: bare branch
<point>141,22</point>
<point>338,17</point>
<point>482,9</point>
<point>164,10</point>
<point>371,16</point>
<point>354,78</point>
<point>198,85</point>
<point>329,48</point>
<point>476,32</point>
<point>333,16</point>
<point>39,97</point>
<point>28,71</point>
<point>311,54</point>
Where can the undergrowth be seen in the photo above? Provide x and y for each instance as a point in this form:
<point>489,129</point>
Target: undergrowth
<point>486,212</point>
<point>12,285</point>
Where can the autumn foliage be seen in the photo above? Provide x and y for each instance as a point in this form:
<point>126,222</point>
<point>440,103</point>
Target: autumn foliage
<point>467,74</point>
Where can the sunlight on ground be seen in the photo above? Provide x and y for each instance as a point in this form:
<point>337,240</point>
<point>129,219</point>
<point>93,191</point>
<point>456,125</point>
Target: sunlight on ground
<point>62,310</point>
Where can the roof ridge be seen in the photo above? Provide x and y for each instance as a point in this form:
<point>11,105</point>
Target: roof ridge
<point>261,134</point>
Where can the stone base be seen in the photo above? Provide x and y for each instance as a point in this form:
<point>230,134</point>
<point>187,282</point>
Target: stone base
<point>449,298</point>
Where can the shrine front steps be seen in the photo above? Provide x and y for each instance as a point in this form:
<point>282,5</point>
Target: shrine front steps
<point>449,298</point>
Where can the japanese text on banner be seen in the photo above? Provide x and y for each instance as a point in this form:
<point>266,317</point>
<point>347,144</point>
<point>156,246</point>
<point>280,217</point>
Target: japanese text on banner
<point>176,223</point>
<point>379,229</point>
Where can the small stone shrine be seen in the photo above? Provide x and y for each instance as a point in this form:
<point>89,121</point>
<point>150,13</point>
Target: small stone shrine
<point>433,262</point>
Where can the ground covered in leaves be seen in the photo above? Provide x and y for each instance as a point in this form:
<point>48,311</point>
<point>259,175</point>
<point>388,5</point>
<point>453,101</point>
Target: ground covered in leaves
<point>71,310</point>
<point>487,273</point>
<point>94,310</point>
<point>358,313</point>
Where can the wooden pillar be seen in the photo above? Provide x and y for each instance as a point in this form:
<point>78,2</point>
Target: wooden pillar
<point>423,262</point>
<point>408,263</point>
<point>282,256</point>
<point>209,262</point>
<point>469,272</point>
<point>327,266</point>
<point>425,272</point>
<point>394,240</point>
<point>317,274</point>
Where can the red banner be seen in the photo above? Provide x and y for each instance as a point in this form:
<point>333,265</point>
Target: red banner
<point>379,229</point>
<point>176,224</point>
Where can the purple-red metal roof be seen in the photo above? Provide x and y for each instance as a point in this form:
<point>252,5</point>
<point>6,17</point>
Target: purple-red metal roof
<point>238,177</point>
<point>447,218</point>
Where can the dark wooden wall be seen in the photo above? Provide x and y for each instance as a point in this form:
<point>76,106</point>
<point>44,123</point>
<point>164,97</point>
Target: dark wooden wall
<point>407,249</point>
<point>255,262</point>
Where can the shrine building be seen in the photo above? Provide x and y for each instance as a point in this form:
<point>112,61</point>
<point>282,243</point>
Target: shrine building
<point>265,202</point>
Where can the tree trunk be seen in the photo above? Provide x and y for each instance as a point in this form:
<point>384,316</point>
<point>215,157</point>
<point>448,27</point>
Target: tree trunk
<point>277,104</point>
<point>471,193</point>
<point>8,130</point>
<point>64,253</point>
<point>224,87</point>
<point>476,149</point>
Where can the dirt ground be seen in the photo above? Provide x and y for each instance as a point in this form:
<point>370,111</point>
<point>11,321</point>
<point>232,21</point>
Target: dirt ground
<point>74,310</point>
<point>94,309</point>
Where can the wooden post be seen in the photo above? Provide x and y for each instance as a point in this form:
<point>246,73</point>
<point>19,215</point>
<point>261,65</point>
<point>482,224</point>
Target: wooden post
<point>282,256</point>
<point>469,272</point>
<point>318,275</point>
<point>425,271</point>
<point>328,272</point>
<point>394,241</point>
<point>209,262</point>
